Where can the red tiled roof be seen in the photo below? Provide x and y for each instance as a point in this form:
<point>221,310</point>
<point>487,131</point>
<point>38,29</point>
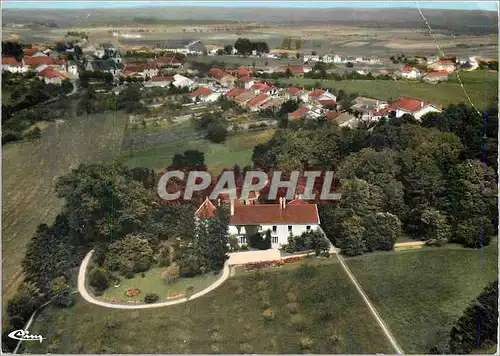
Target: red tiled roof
<point>30,51</point>
<point>293,90</point>
<point>38,61</point>
<point>297,201</point>
<point>273,214</point>
<point>408,104</point>
<point>11,61</point>
<point>161,78</point>
<point>257,100</point>
<point>167,60</point>
<point>206,210</point>
<point>216,73</point>
<point>51,73</point>
<point>233,93</point>
<point>331,114</point>
<point>327,102</point>
<point>406,69</point>
<point>201,91</point>
<point>316,92</point>
<point>299,113</point>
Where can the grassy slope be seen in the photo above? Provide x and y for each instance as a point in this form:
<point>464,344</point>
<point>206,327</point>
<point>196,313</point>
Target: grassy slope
<point>29,170</point>
<point>421,293</point>
<point>237,149</point>
<point>227,320</point>
<point>442,93</point>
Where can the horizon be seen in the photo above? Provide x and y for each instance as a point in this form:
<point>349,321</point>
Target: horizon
<point>82,5</point>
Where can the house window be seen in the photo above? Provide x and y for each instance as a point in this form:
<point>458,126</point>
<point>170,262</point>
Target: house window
<point>275,228</point>
<point>243,240</point>
<point>308,228</point>
<point>290,228</point>
<point>275,239</point>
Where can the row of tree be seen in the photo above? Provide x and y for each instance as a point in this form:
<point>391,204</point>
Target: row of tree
<point>245,47</point>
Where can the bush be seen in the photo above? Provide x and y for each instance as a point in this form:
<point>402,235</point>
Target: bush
<point>151,298</point>
<point>259,242</point>
<point>98,279</point>
<point>246,348</point>
<point>129,275</point>
<point>305,342</point>
<point>268,314</point>
<point>293,308</point>
<point>244,247</point>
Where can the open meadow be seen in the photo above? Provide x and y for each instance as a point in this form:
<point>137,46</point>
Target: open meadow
<point>154,148</point>
<point>481,86</point>
<point>421,293</point>
<point>29,172</point>
<point>306,309</point>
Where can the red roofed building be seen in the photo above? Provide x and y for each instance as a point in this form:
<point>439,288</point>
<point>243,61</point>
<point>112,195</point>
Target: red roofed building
<point>35,62</point>
<point>206,210</point>
<point>281,219</point>
<point>28,52</point>
<point>51,76</point>
<point>233,93</point>
<point>320,97</point>
<point>204,94</point>
<point>408,72</point>
<point>10,64</point>
<point>331,114</point>
<point>412,106</point>
<point>294,93</point>
<point>298,114</point>
<point>443,65</point>
<point>216,73</point>
<point>295,70</point>
<point>254,103</point>
<point>168,62</point>
<point>437,76</point>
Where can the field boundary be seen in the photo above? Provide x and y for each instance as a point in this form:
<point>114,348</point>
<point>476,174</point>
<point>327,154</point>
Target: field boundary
<point>379,319</point>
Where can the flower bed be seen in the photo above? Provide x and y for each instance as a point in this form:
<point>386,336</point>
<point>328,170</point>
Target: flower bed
<point>264,264</point>
<point>175,296</point>
<point>294,259</point>
<point>132,292</point>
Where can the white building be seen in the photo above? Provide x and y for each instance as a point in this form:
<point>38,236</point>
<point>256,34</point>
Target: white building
<point>408,72</point>
<point>204,94</point>
<point>327,59</point>
<point>10,64</point>
<point>282,219</point>
<point>411,106</point>
<point>337,59</point>
<point>72,68</point>
<point>183,82</point>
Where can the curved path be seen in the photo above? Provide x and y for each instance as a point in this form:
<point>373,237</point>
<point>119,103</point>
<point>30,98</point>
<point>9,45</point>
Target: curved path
<point>85,294</point>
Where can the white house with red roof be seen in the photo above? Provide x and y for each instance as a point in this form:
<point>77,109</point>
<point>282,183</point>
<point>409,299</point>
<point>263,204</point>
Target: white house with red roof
<point>408,72</point>
<point>204,94</point>
<point>443,64</point>
<point>12,65</point>
<point>282,219</point>
<point>411,106</point>
<point>435,77</point>
<point>51,76</point>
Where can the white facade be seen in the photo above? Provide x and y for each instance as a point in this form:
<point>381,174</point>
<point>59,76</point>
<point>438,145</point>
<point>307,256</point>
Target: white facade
<point>183,82</point>
<point>425,109</point>
<point>15,69</point>
<point>73,69</point>
<point>327,59</point>
<point>337,59</point>
<point>413,74</point>
<point>279,233</point>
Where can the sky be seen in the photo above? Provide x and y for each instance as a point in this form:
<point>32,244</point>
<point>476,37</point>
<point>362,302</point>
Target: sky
<point>61,4</point>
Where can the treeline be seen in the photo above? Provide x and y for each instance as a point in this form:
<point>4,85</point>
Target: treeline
<point>245,47</point>
<point>402,177</point>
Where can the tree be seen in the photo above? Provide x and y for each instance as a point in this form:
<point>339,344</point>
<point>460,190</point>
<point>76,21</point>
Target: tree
<point>476,329</point>
<point>349,65</point>
<point>243,46</point>
<point>216,132</point>
<point>381,231</point>
<point>130,254</point>
<point>12,49</point>
<point>61,47</point>
<point>27,299</point>
<point>351,236</point>
<point>298,44</point>
<point>61,292</point>
<point>98,279</point>
<point>228,49</point>
<point>286,43</point>
<point>435,225</point>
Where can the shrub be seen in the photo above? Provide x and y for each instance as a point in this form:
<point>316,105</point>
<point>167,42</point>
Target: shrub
<point>293,308</point>
<point>151,298</point>
<point>98,279</point>
<point>305,342</point>
<point>215,348</point>
<point>129,275</point>
<point>215,336</point>
<point>233,243</point>
<point>246,348</point>
<point>298,322</point>
<point>268,314</point>
<point>244,247</point>
<point>171,273</point>
<point>259,242</point>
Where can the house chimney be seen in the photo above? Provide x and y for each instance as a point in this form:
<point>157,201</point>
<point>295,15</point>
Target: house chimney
<point>232,207</point>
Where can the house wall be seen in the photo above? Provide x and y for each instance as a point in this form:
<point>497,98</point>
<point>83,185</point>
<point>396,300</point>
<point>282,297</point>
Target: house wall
<point>427,109</point>
<point>279,237</point>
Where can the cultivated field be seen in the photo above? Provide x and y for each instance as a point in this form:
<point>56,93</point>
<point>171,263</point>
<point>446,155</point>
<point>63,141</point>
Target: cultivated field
<point>29,172</point>
<point>155,149</point>
<point>481,86</point>
<point>420,293</point>
<point>312,310</point>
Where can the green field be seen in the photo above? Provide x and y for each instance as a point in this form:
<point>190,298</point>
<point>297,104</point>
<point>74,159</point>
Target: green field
<point>315,306</point>
<point>154,282</point>
<point>238,148</point>
<point>480,86</point>
<point>420,293</point>
<point>29,172</point>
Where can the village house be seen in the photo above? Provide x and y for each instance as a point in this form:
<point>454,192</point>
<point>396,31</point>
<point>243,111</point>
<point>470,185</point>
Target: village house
<point>273,104</point>
<point>254,103</point>
<point>297,71</point>
<point>408,72</point>
<point>244,97</point>
<point>34,62</point>
<point>345,120</point>
<point>158,81</point>
<point>204,94</point>
<point>104,65</point>
<point>248,82</point>
<point>228,81</point>
<point>293,93</point>
<point>234,92</point>
<point>183,82</point>
<point>72,68</point>
<point>311,58</point>
<point>442,65</point>
<point>320,97</point>
<point>168,62</point>
<point>282,219</point>
<point>12,65</point>
<point>298,114</point>
<point>411,106</point>
<point>327,59</point>
<point>368,108</point>
<point>50,76</point>
<point>435,77</point>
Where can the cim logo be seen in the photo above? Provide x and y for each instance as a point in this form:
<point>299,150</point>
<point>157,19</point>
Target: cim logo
<point>24,335</point>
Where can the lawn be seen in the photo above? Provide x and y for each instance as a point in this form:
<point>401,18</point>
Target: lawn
<point>420,293</point>
<point>157,153</point>
<point>480,86</point>
<point>29,172</point>
<point>313,310</point>
<point>154,282</point>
